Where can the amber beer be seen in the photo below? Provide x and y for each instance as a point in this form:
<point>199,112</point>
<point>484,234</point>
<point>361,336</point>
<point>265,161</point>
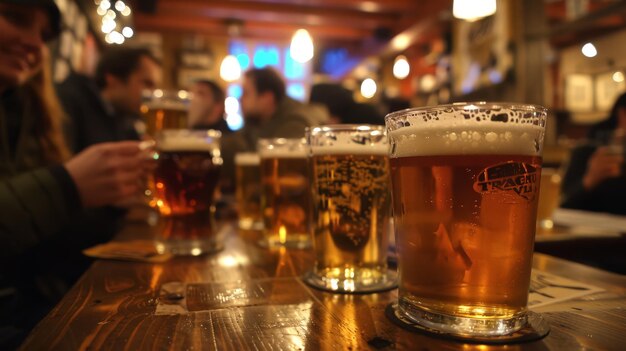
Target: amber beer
<point>186,178</point>
<point>350,228</point>
<point>465,181</point>
<point>248,190</point>
<point>164,110</point>
<point>285,199</point>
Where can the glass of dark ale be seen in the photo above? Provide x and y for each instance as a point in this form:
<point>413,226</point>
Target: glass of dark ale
<point>286,194</point>
<point>185,182</point>
<point>349,172</point>
<point>465,185</point>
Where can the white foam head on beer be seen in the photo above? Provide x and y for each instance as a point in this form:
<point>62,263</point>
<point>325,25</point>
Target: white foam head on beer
<point>282,148</point>
<point>187,143</point>
<point>362,141</point>
<point>351,148</point>
<point>247,159</point>
<point>463,137</point>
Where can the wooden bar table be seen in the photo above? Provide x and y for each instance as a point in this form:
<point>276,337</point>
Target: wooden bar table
<point>249,298</point>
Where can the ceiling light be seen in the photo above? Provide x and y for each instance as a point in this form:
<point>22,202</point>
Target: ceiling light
<point>230,70</point>
<point>589,50</point>
<point>301,49</point>
<point>401,68</point>
<point>618,77</point>
<point>368,88</point>
<point>472,10</point>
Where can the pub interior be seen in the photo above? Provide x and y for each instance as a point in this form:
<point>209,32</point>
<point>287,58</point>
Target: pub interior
<point>313,174</point>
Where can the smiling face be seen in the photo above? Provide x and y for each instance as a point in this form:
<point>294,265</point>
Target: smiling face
<point>22,29</point>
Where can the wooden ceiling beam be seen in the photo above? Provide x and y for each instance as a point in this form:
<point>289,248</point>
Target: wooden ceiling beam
<point>371,6</point>
<point>216,27</point>
<point>268,12</point>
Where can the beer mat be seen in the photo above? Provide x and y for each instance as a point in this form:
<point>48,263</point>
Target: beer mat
<point>389,283</point>
<point>536,328</point>
<point>135,250</point>
<point>546,288</point>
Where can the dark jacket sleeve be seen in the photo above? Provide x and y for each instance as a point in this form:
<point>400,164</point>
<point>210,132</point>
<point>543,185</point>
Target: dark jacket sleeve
<point>34,205</point>
<point>574,194</point>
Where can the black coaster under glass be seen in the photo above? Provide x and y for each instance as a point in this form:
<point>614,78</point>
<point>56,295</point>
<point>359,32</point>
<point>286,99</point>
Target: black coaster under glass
<point>535,329</point>
<point>389,283</point>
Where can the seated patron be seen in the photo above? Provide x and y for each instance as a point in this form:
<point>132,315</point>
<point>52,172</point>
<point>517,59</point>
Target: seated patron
<point>595,179</point>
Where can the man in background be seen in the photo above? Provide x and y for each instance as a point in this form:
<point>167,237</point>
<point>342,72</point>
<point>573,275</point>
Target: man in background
<point>107,107</point>
<point>268,113</point>
<point>206,110</point>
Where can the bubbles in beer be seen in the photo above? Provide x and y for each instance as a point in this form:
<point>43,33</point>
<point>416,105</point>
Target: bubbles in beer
<point>348,188</point>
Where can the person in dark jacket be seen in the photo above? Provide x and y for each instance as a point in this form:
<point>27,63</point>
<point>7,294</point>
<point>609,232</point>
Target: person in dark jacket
<point>42,188</point>
<point>595,179</point>
<point>107,108</point>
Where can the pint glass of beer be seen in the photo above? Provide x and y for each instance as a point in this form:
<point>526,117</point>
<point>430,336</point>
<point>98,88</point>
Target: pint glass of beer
<point>185,181</point>
<point>465,182</point>
<point>286,195</point>
<point>349,168</point>
<point>248,190</point>
<point>164,110</point>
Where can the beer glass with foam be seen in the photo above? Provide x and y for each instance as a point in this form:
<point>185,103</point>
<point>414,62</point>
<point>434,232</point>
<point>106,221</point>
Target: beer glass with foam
<point>163,109</point>
<point>349,171</point>
<point>465,180</point>
<point>248,190</point>
<point>185,181</point>
<point>286,195</point>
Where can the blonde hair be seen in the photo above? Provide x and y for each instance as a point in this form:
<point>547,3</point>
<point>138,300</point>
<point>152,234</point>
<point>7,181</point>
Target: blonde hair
<point>48,131</point>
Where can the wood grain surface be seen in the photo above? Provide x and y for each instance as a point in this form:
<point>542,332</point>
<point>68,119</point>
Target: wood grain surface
<point>250,298</point>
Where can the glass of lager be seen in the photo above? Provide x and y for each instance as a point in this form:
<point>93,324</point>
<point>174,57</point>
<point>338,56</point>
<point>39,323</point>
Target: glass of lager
<point>248,190</point>
<point>286,195</point>
<point>349,172</point>
<point>185,181</point>
<point>465,182</point>
<point>163,110</point>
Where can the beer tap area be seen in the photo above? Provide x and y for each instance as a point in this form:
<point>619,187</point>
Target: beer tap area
<point>313,175</point>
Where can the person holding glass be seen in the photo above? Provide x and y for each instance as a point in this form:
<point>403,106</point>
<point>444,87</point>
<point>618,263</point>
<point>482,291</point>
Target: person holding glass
<point>42,187</point>
<point>595,179</point>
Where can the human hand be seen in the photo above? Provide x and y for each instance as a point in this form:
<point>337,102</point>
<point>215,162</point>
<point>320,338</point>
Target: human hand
<point>602,165</point>
<point>108,173</point>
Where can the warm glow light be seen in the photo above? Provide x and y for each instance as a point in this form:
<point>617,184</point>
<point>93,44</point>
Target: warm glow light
<point>368,88</point>
<point>282,234</point>
<point>126,11</point>
<point>472,10</point>
<point>101,11</point>
<point>158,93</point>
<point>618,77</point>
<point>111,14</point>
<point>231,105</point>
<point>115,37</point>
<point>230,70</point>
<point>120,6</point>
<point>183,94</point>
<point>108,26</point>
<point>127,32</point>
<point>401,68</point>
<point>105,4</point>
<point>301,49</point>
<point>589,50</point>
